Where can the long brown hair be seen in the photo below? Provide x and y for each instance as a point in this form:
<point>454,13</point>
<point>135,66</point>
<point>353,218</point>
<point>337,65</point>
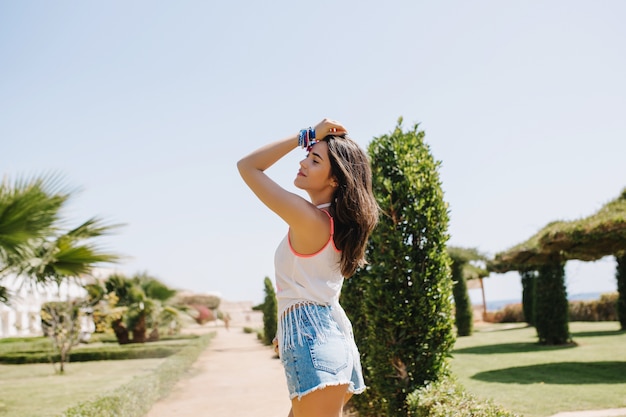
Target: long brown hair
<point>354,208</point>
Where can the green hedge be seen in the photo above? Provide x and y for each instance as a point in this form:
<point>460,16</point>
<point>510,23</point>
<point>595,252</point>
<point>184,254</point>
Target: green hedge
<point>135,398</point>
<point>447,398</point>
<point>40,353</point>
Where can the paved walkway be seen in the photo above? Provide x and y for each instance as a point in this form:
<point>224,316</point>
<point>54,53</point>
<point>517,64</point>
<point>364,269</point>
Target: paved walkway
<point>236,376</point>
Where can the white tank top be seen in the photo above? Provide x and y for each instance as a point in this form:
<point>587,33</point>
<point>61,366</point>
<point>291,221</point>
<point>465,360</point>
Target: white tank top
<point>307,278</point>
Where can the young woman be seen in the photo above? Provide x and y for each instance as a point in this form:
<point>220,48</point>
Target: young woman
<point>325,242</point>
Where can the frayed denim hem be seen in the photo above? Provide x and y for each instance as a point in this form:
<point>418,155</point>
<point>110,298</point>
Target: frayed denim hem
<point>350,389</point>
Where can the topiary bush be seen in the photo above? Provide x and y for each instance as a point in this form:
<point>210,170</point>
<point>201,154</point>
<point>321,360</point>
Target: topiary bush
<point>551,305</point>
<point>463,312</point>
<point>401,302</point>
<point>467,263</point>
<point>528,295</point>
<point>270,312</point>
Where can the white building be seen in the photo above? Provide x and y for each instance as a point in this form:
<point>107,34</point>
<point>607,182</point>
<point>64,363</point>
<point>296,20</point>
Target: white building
<point>21,317</point>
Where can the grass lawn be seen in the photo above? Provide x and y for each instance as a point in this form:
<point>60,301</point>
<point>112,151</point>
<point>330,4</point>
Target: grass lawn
<point>35,390</point>
<point>505,363</point>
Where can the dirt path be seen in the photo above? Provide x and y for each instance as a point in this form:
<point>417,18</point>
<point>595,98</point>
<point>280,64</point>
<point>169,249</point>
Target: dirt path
<point>235,376</point>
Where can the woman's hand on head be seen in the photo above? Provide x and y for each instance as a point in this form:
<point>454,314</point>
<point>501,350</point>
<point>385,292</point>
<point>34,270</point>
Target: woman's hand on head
<point>329,127</point>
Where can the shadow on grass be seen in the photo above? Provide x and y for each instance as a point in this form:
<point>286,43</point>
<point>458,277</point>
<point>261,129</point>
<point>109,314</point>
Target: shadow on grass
<point>599,333</point>
<point>511,348</point>
<point>565,373</point>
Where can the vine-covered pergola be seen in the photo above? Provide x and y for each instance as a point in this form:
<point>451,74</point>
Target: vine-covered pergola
<point>587,239</point>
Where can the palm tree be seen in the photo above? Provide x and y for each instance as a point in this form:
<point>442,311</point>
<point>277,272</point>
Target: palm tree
<point>67,257</point>
<point>34,247</point>
<point>70,255</point>
<point>141,305</point>
<point>29,209</point>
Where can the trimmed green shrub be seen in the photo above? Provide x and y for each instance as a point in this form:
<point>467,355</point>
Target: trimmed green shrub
<point>270,312</point>
<point>464,314</point>
<point>401,302</point>
<point>38,353</point>
<point>528,295</point>
<point>447,398</point>
<point>551,306</point>
<point>467,263</point>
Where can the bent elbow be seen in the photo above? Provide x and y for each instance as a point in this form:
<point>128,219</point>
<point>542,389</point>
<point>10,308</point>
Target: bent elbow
<point>241,166</point>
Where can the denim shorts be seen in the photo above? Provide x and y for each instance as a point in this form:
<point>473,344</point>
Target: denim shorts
<point>318,354</point>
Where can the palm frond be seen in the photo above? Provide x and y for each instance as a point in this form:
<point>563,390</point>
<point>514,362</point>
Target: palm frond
<point>29,209</point>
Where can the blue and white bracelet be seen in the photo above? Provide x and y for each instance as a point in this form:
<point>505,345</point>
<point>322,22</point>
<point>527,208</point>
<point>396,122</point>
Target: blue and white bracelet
<point>306,138</point>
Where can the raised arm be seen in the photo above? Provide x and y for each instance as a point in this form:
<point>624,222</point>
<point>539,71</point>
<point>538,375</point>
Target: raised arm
<point>308,224</point>
<point>252,169</point>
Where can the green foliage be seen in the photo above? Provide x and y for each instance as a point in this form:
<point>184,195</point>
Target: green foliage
<point>401,303</point>
<point>270,312</point>
<point>529,278</point>
<point>34,245</point>
<point>139,304</point>
<point>60,321</point>
<point>137,397</point>
<point>551,306</point>
<point>463,306</point>
<point>463,270</point>
<point>588,239</point>
<point>620,275</point>
<point>70,254</point>
<point>448,398</point>
<point>29,208</point>
<point>37,350</point>
<point>603,309</point>
<point>154,288</point>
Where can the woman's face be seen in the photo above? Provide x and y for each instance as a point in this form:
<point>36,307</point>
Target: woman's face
<point>314,173</point>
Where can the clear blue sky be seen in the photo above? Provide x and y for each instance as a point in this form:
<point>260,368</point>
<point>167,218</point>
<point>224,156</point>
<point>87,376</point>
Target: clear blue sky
<point>146,107</point>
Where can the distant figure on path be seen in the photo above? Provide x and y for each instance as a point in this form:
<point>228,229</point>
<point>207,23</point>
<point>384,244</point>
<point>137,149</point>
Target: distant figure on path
<point>325,242</point>
<point>226,320</point>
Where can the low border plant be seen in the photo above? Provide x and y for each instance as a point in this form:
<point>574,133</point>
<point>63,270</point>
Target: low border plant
<point>448,398</point>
